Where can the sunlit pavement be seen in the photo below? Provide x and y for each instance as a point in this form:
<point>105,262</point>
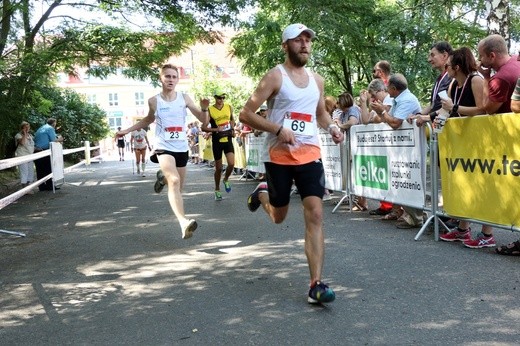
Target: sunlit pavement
<point>103,262</point>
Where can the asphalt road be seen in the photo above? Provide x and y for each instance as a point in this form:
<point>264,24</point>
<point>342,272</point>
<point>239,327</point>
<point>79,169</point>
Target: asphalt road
<point>103,263</point>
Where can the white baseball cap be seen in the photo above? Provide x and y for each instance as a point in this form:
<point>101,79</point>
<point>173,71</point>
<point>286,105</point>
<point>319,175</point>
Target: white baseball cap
<point>294,30</point>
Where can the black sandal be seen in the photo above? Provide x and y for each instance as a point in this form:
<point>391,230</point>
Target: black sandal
<point>511,249</point>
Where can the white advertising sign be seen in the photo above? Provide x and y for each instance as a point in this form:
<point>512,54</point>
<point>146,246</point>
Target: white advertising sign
<point>389,164</point>
<point>332,162</point>
<point>254,148</point>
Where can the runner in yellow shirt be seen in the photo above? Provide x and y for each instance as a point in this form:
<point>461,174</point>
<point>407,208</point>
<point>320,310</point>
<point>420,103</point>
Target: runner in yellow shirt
<point>221,124</point>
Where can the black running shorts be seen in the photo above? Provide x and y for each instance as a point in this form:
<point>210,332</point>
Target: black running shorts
<point>309,179</point>
<point>181,158</point>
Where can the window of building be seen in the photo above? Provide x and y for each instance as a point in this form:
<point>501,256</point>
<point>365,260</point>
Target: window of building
<point>91,99</point>
<point>115,119</point>
<point>113,99</point>
<point>114,123</point>
<point>139,99</point>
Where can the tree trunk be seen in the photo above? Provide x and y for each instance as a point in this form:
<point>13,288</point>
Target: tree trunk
<point>498,18</point>
<point>347,75</point>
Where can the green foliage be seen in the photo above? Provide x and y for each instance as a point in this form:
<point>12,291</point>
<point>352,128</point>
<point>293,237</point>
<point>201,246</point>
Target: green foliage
<point>77,120</point>
<point>258,45</point>
<point>353,36</point>
<point>515,21</point>
<point>71,34</point>
<point>207,79</point>
<point>106,35</point>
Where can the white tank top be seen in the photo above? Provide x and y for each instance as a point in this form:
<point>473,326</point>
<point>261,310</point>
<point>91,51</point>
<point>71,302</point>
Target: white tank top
<point>295,109</point>
<point>139,139</point>
<point>170,119</point>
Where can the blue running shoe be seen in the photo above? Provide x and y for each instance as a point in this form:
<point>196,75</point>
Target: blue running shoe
<point>227,186</point>
<point>253,202</point>
<point>320,293</point>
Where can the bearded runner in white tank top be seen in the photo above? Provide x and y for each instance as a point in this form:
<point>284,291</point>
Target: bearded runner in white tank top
<point>295,109</point>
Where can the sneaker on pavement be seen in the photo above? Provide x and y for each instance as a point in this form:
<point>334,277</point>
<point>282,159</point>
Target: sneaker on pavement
<point>406,225</point>
<point>380,211</point>
<point>320,293</point>
<point>450,223</point>
<point>253,202</point>
<point>327,197</point>
<point>218,196</point>
<point>138,171</point>
<point>159,183</point>
<point>227,186</point>
<point>481,241</point>
<point>188,229</point>
<point>457,234</point>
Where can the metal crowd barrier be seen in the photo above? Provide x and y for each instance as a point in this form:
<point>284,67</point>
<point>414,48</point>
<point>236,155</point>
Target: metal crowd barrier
<point>431,208</point>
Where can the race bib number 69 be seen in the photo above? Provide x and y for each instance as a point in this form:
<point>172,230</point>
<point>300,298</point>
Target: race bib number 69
<point>299,123</point>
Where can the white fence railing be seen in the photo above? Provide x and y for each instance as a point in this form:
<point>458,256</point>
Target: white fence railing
<point>56,152</point>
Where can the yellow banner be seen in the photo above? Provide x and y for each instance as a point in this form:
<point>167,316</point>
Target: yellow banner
<point>240,154</point>
<point>205,148</point>
<point>207,152</point>
<point>480,168</point>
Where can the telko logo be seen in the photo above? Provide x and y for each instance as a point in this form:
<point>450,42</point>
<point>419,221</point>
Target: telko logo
<point>371,171</point>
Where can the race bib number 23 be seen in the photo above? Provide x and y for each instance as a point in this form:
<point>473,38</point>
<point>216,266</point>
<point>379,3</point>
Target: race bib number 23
<point>175,133</point>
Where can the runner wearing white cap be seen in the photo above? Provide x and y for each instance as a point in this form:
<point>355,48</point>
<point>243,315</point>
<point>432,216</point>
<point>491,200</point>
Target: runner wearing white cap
<point>296,105</point>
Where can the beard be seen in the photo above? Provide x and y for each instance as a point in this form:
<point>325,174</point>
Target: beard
<point>296,59</point>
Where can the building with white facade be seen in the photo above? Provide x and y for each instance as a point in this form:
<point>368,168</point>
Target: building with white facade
<point>125,100</point>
